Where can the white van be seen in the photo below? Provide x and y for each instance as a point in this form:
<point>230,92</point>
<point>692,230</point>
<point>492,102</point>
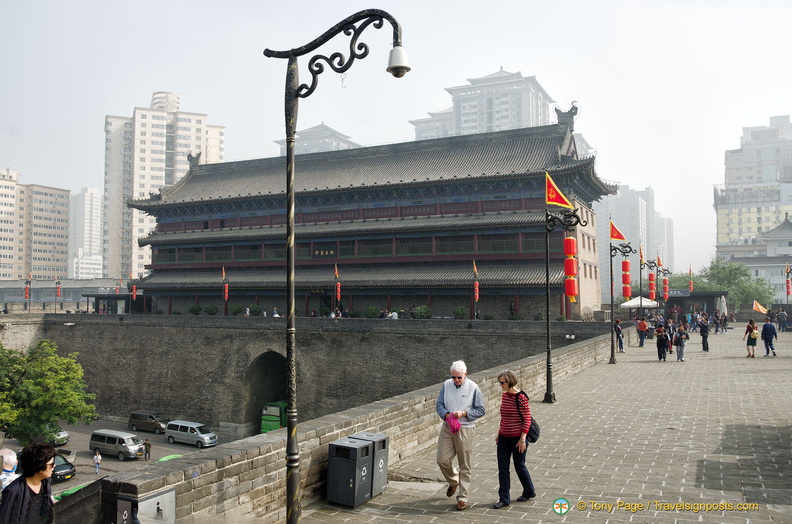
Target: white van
<point>118,443</point>
<point>190,433</point>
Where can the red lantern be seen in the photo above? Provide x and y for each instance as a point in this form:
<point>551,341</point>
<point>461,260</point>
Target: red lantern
<point>338,290</point>
<point>225,291</point>
<point>690,286</point>
<point>58,291</point>
<point>27,292</point>
<point>789,287</point>
<point>116,290</point>
<point>626,291</point>
<point>570,268</point>
<point>134,292</point>
<point>571,288</point>
<point>665,289</point>
<point>476,290</point>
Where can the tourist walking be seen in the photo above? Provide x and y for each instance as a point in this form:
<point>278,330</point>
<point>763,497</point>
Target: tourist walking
<point>751,335</point>
<point>642,328</point>
<point>703,326</point>
<point>97,460</point>
<point>459,404</point>
<point>511,440</point>
<point>147,449</point>
<point>768,334</point>
<point>662,343</point>
<point>782,320</point>
<point>680,341</point>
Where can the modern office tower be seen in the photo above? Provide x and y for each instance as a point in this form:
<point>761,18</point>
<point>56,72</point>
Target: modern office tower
<point>753,202</point>
<point>143,154</point>
<point>494,102</point>
<point>85,234</point>
<point>634,213</point>
<point>34,229</point>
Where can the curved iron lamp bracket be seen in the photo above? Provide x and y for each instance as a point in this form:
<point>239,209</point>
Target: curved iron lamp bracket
<point>565,219</point>
<point>624,249</point>
<point>337,61</point>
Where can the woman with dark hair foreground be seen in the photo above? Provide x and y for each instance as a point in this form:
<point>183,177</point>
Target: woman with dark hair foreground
<point>28,499</point>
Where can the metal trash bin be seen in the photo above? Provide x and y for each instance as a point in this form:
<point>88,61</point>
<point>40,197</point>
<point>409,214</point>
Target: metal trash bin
<point>379,460</point>
<point>349,471</point>
<point>273,416</point>
<point>650,332</point>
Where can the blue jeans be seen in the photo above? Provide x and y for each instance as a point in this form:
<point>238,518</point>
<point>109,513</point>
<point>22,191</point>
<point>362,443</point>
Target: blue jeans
<point>641,338</point>
<point>507,448</point>
<point>769,346</point>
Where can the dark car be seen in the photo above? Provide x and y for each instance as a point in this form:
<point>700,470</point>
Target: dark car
<point>64,470</point>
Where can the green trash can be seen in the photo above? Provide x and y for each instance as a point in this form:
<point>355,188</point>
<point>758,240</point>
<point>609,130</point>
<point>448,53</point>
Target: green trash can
<point>273,416</point>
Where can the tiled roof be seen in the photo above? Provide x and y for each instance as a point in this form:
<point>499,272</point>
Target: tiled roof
<point>506,276</point>
<point>488,155</point>
<point>461,222</point>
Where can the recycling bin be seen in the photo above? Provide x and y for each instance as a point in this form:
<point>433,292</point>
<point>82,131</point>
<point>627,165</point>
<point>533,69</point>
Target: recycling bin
<point>379,460</point>
<point>273,416</point>
<point>349,471</point>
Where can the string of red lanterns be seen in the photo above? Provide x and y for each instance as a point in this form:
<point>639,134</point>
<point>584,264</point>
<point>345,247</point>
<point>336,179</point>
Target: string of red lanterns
<point>570,268</point>
<point>626,289</point>
<point>652,293</point>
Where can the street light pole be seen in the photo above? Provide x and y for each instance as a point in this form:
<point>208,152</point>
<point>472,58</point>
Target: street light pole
<point>567,220</point>
<point>398,67</point>
<point>625,250</point>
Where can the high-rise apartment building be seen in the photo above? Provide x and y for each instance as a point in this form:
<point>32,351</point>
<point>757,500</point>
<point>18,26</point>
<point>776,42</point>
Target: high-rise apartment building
<point>143,154</point>
<point>494,102</point>
<point>34,229</point>
<point>755,199</point>
<point>633,212</point>
<point>85,234</point>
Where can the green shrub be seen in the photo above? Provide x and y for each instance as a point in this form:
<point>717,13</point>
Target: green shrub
<point>324,311</point>
<point>176,313</point>
<point>195,309</point>
<point>561,318</point>
<point>354,314</point>
<point>489,317</point>
<point>461,312</point>
<point>423,312</point>
<point>516,317</point>
<point>235,309</point>
<point>255,310</point>
<point>371,311</point>
<point>159,312</point>
<point>539,316</point>
<point>210,309</point>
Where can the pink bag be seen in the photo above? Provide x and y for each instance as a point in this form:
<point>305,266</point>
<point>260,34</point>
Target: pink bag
<point>453,424</point>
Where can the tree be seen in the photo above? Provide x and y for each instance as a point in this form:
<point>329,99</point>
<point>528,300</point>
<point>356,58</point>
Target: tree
<point>38,389</point>
<point>735,277</point>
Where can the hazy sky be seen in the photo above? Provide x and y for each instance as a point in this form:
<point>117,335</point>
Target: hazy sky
<point>664,87</point>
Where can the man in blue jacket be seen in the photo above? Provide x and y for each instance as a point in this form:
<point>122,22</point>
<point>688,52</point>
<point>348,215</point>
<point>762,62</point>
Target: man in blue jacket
<point>768,334</point>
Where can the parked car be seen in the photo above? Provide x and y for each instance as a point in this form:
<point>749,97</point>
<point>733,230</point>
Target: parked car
<point>61,437</point>
<point>118,443</point>
<point>147,421</point>
<point>64,470</point>
<point>190,433</point>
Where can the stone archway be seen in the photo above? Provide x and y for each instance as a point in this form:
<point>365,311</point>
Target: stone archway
<point>266,382</point>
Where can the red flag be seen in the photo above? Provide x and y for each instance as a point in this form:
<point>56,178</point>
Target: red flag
<point>223,272</point>
<point>758,307</point>
<point>475,269</point>
<point>553,195</point>
<point>640,253</point>
<point>659,264</point>
<point>336,271</point>
<point>615,234</point>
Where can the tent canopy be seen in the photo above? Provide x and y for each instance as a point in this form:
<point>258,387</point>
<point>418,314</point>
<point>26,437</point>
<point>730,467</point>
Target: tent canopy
<point>639,302</point>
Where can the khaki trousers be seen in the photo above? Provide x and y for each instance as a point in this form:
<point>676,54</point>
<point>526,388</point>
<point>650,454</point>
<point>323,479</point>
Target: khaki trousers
<point>461,446</point>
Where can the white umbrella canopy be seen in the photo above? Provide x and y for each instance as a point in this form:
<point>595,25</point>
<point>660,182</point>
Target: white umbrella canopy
<point>639,302</point>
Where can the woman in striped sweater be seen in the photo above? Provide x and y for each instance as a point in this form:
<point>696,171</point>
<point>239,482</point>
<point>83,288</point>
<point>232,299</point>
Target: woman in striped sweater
<point>515,421</point>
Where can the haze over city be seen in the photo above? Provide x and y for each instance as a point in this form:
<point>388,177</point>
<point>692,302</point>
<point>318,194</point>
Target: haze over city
<point>663,87</point>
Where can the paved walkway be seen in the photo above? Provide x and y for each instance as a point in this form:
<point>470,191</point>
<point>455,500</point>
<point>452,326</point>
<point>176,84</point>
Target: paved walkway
<point>716,429</point>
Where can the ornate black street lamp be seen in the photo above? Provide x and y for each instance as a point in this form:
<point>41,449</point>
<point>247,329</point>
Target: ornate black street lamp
<point>625,250</point>
<point>567,220</point>
<point>643,264</point>
<point>397,66</point>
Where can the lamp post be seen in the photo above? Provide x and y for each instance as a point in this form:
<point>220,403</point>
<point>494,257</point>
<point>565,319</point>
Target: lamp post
<point>28,290</point>
<point>625,249</point>
<point>567,220</point>
<point>788,285</point>
<point>57,292</point>
<point>642,264</point>
<point>397,66</point>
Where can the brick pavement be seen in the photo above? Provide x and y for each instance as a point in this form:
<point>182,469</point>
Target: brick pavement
<point>714,429</point>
